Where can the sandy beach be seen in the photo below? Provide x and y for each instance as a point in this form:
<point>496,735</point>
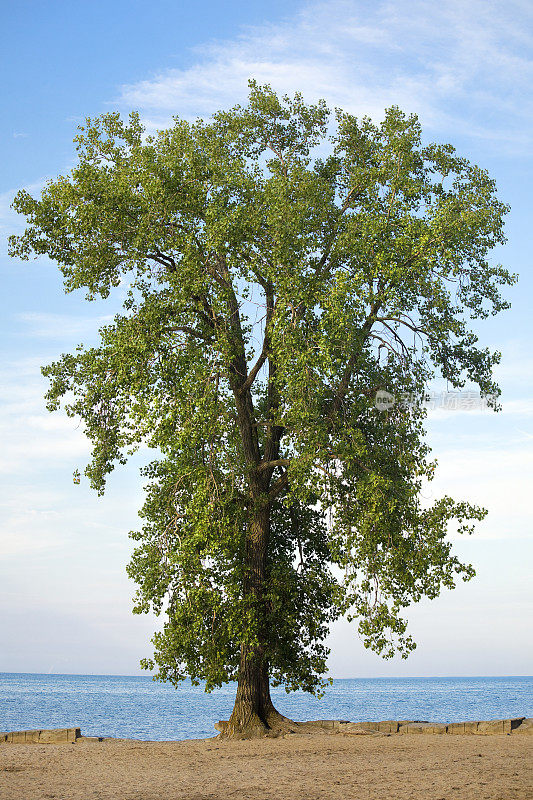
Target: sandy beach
<point>301,767</point>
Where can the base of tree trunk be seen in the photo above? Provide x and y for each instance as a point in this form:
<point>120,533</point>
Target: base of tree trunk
<point>244,724</point>
<point>254,715</point>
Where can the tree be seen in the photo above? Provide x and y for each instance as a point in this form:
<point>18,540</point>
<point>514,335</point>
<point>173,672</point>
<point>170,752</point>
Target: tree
<point>276,277</point>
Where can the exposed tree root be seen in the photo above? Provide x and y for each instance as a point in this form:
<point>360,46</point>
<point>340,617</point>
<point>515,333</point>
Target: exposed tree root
<point>252,726</point>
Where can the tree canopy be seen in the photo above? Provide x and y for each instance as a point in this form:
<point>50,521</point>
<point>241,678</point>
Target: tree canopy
<point>280,265</point>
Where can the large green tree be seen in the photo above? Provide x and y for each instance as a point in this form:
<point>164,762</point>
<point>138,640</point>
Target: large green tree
<point>276,276</point>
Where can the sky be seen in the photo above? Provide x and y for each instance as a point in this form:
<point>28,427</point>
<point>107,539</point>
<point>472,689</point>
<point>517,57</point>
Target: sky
<point>466,68</point>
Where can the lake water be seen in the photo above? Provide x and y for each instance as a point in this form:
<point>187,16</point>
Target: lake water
<point>139,708</point>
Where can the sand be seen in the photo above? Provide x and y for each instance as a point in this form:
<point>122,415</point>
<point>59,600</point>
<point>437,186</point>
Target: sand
<point>329,767</point>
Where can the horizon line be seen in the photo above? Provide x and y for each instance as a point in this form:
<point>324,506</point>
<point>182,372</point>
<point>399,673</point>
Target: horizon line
<point>361,677</point>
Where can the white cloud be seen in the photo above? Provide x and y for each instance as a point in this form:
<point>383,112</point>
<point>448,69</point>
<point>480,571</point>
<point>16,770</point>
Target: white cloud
<point>41,520</point>
<point>497,478</point>
<point>522,407</point>
<point>31,440</point>
<point>458,405</point>
<point>516,367</point>
<point>461,67</point>
<point>62,326</point>
<point>31,437</point>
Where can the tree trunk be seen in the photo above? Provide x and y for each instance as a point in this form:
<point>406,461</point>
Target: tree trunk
<point>254,713</point>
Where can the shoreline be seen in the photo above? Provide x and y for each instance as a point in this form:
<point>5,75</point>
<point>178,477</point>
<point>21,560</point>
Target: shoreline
<point>512,725</point>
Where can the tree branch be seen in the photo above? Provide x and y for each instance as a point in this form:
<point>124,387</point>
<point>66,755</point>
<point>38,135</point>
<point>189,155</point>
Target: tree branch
<point>237,367</point>
<point>275,432</point>
<point>352,361</point>
<point>279,486</point>
<point>388,345</point>
<point>401,321</point>
<point>255,369</point>
<point>165,261</point>
<point>345,206</point>
<point>277,462</point>
<point>192,332</point>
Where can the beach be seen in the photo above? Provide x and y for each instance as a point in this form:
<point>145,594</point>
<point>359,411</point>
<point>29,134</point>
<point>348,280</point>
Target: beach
<point>299,767</point>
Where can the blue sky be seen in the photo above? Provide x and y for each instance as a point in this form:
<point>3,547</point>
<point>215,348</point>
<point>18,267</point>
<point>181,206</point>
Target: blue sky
<point>466,68</point>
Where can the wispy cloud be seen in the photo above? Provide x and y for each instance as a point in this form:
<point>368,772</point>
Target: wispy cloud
<point>495,476</point>
<point>518,407</point>
<point>32,438</point>
<point>464,67</point>
<point>33,442</point>
<point>61,326</point>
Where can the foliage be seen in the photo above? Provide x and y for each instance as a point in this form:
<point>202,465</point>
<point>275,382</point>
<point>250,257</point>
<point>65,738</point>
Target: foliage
<point>275,277</point>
